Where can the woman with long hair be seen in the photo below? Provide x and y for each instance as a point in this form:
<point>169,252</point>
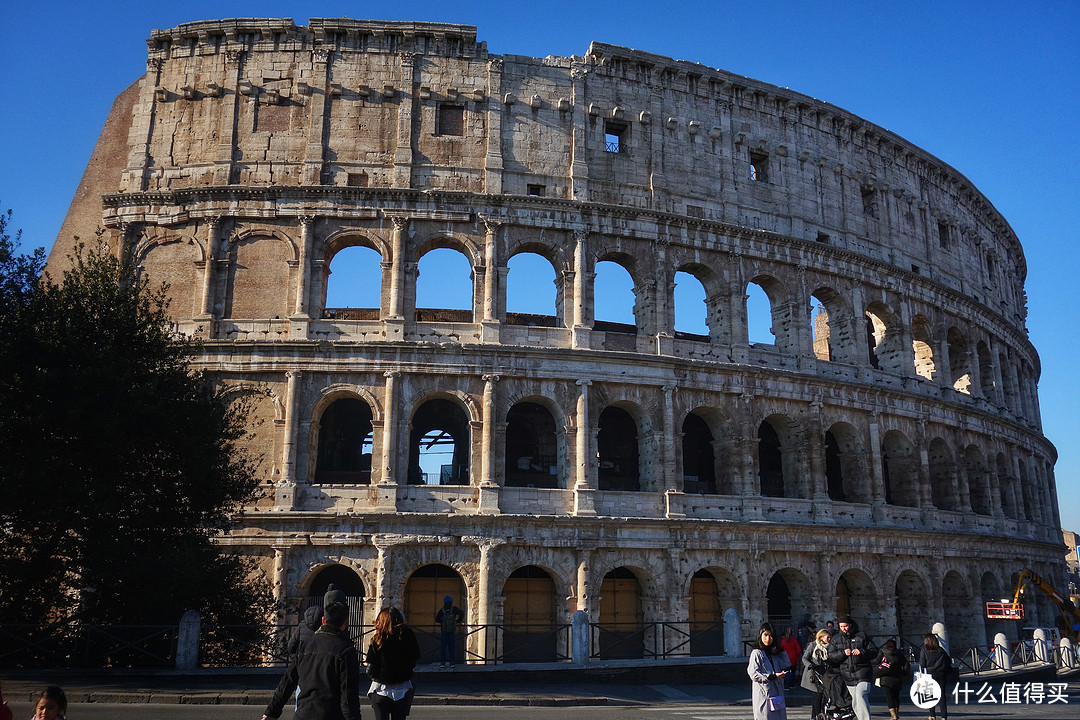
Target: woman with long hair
<point>391,657</point>
<point>816,660</point>
<point>935,660</point>
<point>890,674</point>
<point>767,668</point>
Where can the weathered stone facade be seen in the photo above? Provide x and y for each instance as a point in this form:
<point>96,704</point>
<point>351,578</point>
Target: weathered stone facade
<point>883,455</point>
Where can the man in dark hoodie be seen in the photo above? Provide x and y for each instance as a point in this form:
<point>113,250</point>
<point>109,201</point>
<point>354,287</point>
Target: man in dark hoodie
<point>853,655</point>
<point>327,670</point>
<point>305,629</point>
<point>447,619</point>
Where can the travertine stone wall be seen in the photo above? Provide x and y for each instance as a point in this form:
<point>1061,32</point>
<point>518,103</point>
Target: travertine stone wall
<point>883,456</point>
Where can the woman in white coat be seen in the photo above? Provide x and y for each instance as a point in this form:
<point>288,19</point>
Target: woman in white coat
<point>767,668</point>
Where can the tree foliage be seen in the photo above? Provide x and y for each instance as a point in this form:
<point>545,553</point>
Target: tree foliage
<point>118,462</point>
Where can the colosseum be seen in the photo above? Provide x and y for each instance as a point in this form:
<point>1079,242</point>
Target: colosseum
<point>881,454</point>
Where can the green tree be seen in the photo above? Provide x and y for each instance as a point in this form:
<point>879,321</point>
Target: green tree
<point>118,462</point>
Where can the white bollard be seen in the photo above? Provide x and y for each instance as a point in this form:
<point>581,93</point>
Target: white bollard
<point>942,635</point>
<point>1041,646</point>
<point>1002,658</point>
<point>187,645</point>
<point>579,639</point>
<point>1068,653</point>
<point>732,633</point>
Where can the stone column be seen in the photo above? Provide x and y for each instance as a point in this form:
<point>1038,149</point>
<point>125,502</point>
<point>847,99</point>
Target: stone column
<point>285,496</point>
<point>486,637</point>
<point>301,317</point>
<point>583,319</point>
<point>281,575</point>
<point>489,326</point>
<point>585,482</point>
<point>671,481</point>
<point>394,322</point>
<point>664,318</point>
<point>748,485</point>
<point>403,154</point>
<point>816,470</point>
<point>386,498</point>
<point>213,224</point>
<point>488,503</point>
<point>877,484</point>
<point>493,160</point>
<point>579,167</point>
<point>318,104</point>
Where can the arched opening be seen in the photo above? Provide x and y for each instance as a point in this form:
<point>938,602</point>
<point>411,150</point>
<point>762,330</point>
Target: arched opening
<point>834,469</point>
<point>532,454</point>
<point>786,598</point>
<point>255,264</point>
<point>978,479</point>
<point>614,298</point>
<point>883,339</point>
<point>691,309</point>
<point>347,581</point>
<point>354,282</point>
<point>770,461</point>
<point>1008,377</point>
<point>444,282</point>
<point>1007,486</point>
<point>845,473</point>
<point>621,627</point>
<point>174,261</point>
<point>699,473</point>
<point>759,316</point>
<point>900,470</point>
<point>617,451</point>
<point>345,443</point>
<point>533,292</point>
<point>831,326</point>
<point>959,361</point>
<point>706,615</point>
<point>821,330</point>
<point>987,382</point>
<point>990,589</point>
<point>423,598</point>
<point>439,445</point>
<point>856,596</point>
<point>922,344</point>
<point>943,484</point>
<point>959,609</point>
<point>912,607</point>
<point>530,630</point>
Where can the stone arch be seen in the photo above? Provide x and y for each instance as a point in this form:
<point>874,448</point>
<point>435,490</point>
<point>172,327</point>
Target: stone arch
<point>922,345</point>
<point>883,338</point>
<point>175,258</point>
<point>831,326</point>
<point>618,448</point>
<point>338,240</point>
<point>782,312</point>
<point>846,473</point>
<point>346,250</point>
<point>684,319</point>
<point>978,480</point>
<point>534,317</point>
<point>712,592</point>
<point>900,469</point>
<point>344,578</point>
<point>912,598</point>
<point>464,244</point>
<point>620,626</point>
<point>857,596</point>
<point>960,612</point>
<point>448,279</point>
<point>787,597</point>
<point>944,491</point>
<point>959,361</point>
<point>1010,500</point>
<point>991,591</point>
<point>258,270</point>
<point>344,440</point>
<point>987,381</point>
<point>698,455</point>
<point>718,425</point>
<point>422,598</point>
<point>530,616</point>
<point>442,421</point>
<point>534,448</point>
<point>778,467</point>
<point>642,291</point>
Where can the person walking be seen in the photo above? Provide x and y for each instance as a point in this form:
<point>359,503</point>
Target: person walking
<point>327,670</point>
<point>890,674</point>
<point>935,660</point>
<point>853,654</point>
<point>447,619</point>
<point>816,660</point>
<point>767,668</point>
<point>793,648</point>
<point>391,657</point>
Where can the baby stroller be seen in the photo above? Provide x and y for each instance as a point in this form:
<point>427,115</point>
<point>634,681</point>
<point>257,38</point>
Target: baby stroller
<point>837,701</point>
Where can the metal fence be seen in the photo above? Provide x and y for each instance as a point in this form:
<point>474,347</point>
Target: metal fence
<point>80,645</point>
<point>656,640</point>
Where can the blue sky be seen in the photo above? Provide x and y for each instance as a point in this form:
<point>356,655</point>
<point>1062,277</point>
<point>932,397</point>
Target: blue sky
<point>991,88</point>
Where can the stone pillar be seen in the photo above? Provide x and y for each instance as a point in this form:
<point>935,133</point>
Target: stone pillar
<point>733,646</point>
<point>213,224</point>
<point>582,322</point>
<point>579,639</point>
<point>301,317</point>
<point>815,452</point>
<point>187,644</point>
<point>285,496</point>
<point>585,481</point>
<point>394,322</point>
<point>663,294</point>
<point>748,486</point>
<point>486,637</point>
<point>223,156</point>
<point>493,160</point>
<point>583,581</point>
<point>1042,646</point>
<point>386,498</point>
<point>403,154</point>
<point>579,167</point>
<point>489,325</point>
<point>489,490</point>
<point>1002,658</point>
<point>318,104</point>
<point>281,575</point>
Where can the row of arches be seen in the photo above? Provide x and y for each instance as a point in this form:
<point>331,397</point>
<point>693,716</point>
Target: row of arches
<point>712,606</point>
<point>792,459</point>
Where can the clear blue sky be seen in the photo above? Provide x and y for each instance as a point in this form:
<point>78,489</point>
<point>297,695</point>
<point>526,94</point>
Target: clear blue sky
<point>991,88</point>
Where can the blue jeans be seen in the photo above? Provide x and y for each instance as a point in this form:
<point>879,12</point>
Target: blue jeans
<point>447,648</point>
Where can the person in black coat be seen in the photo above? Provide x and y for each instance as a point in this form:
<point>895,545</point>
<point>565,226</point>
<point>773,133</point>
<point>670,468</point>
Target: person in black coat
<point>890,673</point>
<point>854,655</point>
<point>934,660</point>
<point>305,629</point>
<point>391,657</point>
<point>327,670</point>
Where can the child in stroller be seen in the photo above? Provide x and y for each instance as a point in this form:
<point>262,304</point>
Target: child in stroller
<point>837,705</point>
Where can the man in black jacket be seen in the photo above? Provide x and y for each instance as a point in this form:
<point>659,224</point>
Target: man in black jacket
<point>327,670</point>
<point>852,653</point>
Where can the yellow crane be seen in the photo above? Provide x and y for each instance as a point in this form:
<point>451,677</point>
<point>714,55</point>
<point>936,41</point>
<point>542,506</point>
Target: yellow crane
<point>1069,613</point>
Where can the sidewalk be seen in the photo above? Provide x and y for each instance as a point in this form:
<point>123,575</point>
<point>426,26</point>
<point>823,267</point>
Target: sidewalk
<point>468,685</point>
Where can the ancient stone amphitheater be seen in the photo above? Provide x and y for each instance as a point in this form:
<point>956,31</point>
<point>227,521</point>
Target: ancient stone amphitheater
<point>880,455</point>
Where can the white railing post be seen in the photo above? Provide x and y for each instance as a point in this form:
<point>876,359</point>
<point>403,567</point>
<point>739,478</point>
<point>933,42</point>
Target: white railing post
<point>187,644</point>
<point>1001,652</point>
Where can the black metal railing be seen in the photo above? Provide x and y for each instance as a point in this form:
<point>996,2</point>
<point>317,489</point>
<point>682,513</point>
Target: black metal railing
<point>656,640</point>
<point>83,645</point>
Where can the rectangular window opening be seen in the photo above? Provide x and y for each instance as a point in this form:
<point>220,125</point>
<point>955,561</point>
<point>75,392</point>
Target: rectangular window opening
<point>615,134</point>
<point>759,167</point>
<point>943,234</point>
<point>695,211</point>
<point>537,190</point>
<point>823,238</point>
<point>869,202</point>
<point>916,269</point>
<point>450,119</point>
<point>359,179</point>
